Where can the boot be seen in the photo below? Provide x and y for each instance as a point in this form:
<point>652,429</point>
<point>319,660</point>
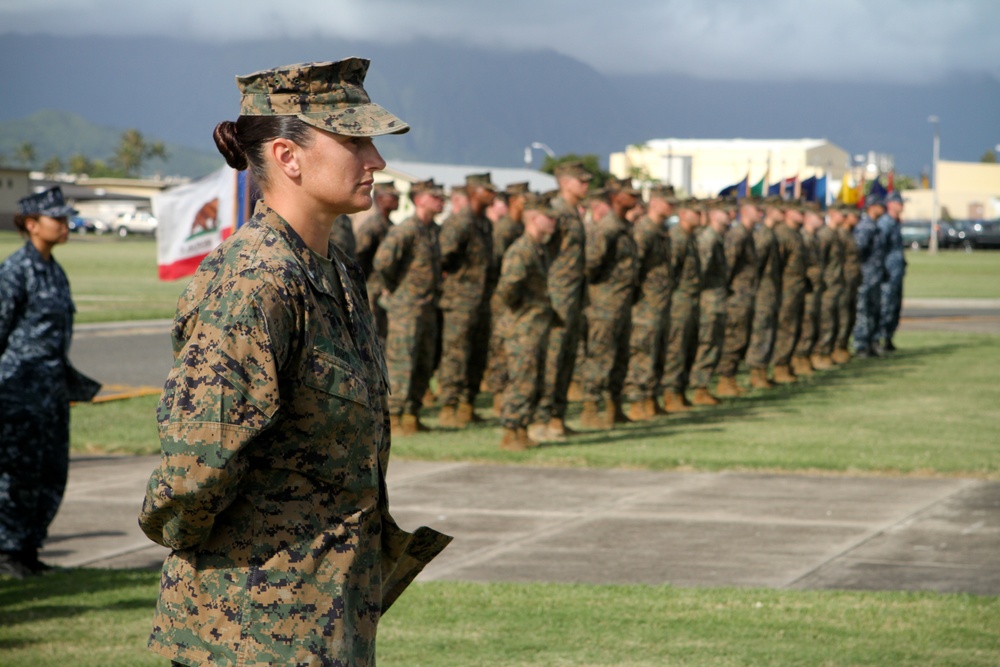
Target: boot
<point>657,408</point>
<point>758,379</point>
<point>497,404</point>
<point>619,415</point>
<point>727,388</point>
<point>821,362</point>
<point>801,366</point>
<point>524,440</point>
<point>509,441</point>
<point>429,398</point>
<point>464,415</point>
<point>447,417</point>
<point>703,397</point>
<point>410,425</point>
<point>394,424</point>
<point>783,375</point>
<point>674,401</point>
<point>589,418</point>
<point>574,393</point>
<point>557,428</point>
<point>640,410</point>
<point>542,433</point>
<point>840,356</point>
<point>608,417</point>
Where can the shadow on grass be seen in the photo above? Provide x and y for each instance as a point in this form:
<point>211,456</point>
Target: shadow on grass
<point>66,583</point>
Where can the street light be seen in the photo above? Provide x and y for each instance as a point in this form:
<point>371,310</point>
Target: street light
<point>932,244</point>
<point>538,146</point>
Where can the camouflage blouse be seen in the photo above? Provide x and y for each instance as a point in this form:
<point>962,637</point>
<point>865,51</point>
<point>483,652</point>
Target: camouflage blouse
<point>274,430</point>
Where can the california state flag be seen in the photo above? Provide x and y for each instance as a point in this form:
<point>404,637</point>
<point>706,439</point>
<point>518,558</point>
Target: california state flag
<point>193,219</point>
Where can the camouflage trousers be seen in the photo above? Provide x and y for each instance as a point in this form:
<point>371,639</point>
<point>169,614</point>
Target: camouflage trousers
<point>682,343</point>
<point>809,331</point>
<point>526,343</point>
<point>379,315</point>
<point>606,364</point>
<point>891,302</point>
<point>829,319</point>
<point>560,360</point>
<point>765,323</point>
<point>496,362</point>
<point>739,321</point>
<point>869,309</point>
<point>463,354</point>
<point>409,355</point>
<point>711,336</point>
<point>786,334</point>
<point>645,351</point>
<point>34,464</point>
<point>847,309</point>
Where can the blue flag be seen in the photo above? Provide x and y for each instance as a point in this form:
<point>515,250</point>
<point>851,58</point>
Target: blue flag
<point>738,190</point>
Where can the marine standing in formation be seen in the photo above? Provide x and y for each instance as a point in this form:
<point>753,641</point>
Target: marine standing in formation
<point>712,303</point>
<point>741,266</point>
<point>370,233</point>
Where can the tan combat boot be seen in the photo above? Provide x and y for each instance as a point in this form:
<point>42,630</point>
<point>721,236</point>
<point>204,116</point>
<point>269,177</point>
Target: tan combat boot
<point>540,433</point>
<point>524,440</point>
<point>497,404</point>
<point>558,429</point>
<point>758,379</point>
<point>821,362</point>
<point>590,418</point>
<point>410,425</point>
<point>783,375</point>
<point>464,414</point>
<point>727,388</point>
<point>429,399</point>
<point>703,397</point>
<point>608,417</point>
<point>509,441</point>
<point>574,393</point>
<point>447,417</point>
<point>638,411</point>
<point>394,424</point>
<point>840,356</point>
<point>674,401</point>
<point>801,367</point>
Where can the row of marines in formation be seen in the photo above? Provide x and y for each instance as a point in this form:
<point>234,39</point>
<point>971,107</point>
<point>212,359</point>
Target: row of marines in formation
<point>535,298</point>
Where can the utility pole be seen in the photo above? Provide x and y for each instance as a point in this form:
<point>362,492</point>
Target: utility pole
<point>932,244</point>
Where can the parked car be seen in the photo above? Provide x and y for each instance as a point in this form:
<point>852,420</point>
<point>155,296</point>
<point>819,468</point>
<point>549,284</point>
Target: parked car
<point>984,233</point>
<point>916,233</point>
<point>956,234</point>
<point>82,225</point>
<point>139,222</point>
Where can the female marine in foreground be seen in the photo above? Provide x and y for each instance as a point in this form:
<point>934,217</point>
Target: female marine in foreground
<point>274,423</point>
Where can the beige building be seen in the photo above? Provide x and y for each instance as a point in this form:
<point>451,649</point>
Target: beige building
<point>703,167</point>
<point>966,191</point>
<point>14,184</point>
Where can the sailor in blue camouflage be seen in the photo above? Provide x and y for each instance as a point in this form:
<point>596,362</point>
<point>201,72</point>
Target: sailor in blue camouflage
<point>895,270</point>
<point>37,383</point>
<point>871,253</point>
<point>274,423</point>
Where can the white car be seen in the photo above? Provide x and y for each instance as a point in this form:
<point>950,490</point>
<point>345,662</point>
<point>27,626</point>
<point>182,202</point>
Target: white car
<point>139,222</point>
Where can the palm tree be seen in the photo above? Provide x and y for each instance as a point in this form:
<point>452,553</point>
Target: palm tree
<point>25,154</point>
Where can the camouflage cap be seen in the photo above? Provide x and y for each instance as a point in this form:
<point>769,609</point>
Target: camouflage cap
<point>537,202</point>
<point>428,186</point>
<point>516,189</point>
<point>616,185</point>
<point>327,95</point>
<point>573,168</point>
<point>49,203</point>
<point>479,181</point>
<point>661,191</point>
<point>597,194</point>
<point>386,188</point>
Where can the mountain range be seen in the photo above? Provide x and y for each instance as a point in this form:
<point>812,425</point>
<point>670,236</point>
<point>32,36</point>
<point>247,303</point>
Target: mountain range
<point>466,104</point>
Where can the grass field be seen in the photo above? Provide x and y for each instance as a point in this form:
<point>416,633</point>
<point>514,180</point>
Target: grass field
<point>100,618</point>
<point>115,279</point>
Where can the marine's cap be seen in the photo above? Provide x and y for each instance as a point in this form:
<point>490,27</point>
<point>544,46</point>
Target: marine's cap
<point>48,203</point>
<point>597,194</point>
<point>537,202</point>
<point>327,95</point>
<point>386,188</point>
<point>516,189</point>
<point>573,168</point>
<point>622,185</point>
<point>428,186</point>
<point>894,197</point>
<point>479,181</point>
<point>665,192</point>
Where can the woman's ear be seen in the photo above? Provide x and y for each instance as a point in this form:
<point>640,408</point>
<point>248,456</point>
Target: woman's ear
<point>286,157</point>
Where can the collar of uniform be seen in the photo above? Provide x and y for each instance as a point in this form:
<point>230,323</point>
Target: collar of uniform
<point>320,277</point>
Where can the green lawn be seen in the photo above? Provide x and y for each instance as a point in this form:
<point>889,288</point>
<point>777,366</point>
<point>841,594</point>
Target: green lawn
<point>102,618</point>
<point>116,279</point>
<point>930,409</point>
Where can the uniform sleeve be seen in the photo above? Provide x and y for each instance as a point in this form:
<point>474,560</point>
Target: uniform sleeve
<point>221,395</point>
<point>733,247</point>
<point>12,299</point>
<point>512,276</point>
<point>705,249</point>
<point>388,257</point>
<point>453,238</point>
<point>596,252</point>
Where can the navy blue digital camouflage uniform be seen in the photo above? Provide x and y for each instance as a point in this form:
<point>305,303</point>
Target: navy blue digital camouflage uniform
<point>37,383</point>
<point>871,253</point>
<point>891,289</point>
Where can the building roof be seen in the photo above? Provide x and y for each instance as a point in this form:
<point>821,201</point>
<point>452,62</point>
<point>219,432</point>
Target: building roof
<point>454,174</point>
<point>680,145</point>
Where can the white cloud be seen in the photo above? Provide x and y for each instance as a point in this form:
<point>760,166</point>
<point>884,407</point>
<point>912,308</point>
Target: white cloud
<point>901,40</point>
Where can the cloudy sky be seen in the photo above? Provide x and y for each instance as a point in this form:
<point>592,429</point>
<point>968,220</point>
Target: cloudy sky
<point>911,41</point>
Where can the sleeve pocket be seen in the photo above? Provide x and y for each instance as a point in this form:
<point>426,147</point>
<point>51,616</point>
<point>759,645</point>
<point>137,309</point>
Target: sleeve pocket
<point>335,376</point>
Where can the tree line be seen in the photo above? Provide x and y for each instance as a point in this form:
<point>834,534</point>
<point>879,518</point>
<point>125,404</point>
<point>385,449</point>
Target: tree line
<point>131,153</point>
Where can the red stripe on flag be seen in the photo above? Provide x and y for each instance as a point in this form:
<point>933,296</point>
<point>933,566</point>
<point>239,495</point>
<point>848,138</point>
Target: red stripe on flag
<point>181,268</point>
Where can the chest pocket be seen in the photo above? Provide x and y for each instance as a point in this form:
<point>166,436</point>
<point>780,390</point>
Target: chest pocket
<point>334,371</point>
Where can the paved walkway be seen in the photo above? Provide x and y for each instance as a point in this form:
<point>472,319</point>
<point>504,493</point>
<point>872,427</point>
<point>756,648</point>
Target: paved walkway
<point>530,524</point>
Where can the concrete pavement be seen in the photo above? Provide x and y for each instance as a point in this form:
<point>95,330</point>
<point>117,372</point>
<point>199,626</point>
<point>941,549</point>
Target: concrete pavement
<point>531,524</point>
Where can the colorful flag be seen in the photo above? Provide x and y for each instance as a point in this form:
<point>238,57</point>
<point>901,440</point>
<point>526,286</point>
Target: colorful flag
<point>192,220</point>
<point>738,190</point>
<point>877,189</point>
<point>759,189</point>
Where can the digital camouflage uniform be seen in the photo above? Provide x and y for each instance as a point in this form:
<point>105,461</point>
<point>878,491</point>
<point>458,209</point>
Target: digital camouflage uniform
<point>831,250</point>
<point>611,280</point>
<point>871,254</point>
<point>506,230</point>
<point>523,292</point>
<point>895,270</point>
<point>650,310</point>
<point>37,383</point>
<point>812,301</point>
<point>342,236</point>
<point>466,242</point>
<point>371,231</point>
<point>271,490</point>
<point>408,266</point>
<point>848,302</point>
<point>794,285</point>
<point>712,306</point>
<point>767,299</point>
<point>682,341</point>
<point>741,265</point>
<point>567,252</point>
